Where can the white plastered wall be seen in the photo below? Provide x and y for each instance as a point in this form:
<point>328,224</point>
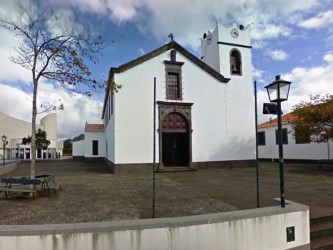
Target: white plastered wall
<point>307,151</point>
<point>90,136</point>
<point>78,148</point>
<point>49,123</point>
<point>222,115</point>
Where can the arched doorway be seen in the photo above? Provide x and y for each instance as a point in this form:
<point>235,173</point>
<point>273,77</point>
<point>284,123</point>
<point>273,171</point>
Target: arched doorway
<point>175,140</point>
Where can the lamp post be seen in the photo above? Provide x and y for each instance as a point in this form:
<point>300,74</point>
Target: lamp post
<point>4,142</point>
<point>278,92</point>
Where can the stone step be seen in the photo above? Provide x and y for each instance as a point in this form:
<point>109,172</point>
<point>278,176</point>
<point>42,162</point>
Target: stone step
<point>322,243</point>
<point>321,233</point>
<point>176,169</point>
<point>322,229</point>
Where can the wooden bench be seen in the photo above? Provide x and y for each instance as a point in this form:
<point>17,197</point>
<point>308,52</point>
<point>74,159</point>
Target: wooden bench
<point>20,185</point>
<point>324,162</point>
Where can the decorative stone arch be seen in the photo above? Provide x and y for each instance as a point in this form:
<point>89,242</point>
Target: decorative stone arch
<point>235,62</point>
<point>167,112</point>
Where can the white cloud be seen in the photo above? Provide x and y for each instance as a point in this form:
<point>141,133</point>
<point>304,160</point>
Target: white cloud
<point>278,55</point>
<point>141,51</point>
<point>71,120</point>
<point>257,73</point>
<point>8,69</point>
<point>306,81</point>
<point>323,19</point>
<point>328,57</point>
<point>268,31</point>
<point>159,18</point>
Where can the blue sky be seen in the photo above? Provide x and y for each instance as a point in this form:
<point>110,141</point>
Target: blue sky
<point>290,38</point>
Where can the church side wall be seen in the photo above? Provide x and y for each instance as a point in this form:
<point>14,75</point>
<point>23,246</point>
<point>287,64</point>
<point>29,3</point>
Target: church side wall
<point>110,131</point>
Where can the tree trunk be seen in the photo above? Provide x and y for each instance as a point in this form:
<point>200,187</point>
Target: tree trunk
<point>33,129</point>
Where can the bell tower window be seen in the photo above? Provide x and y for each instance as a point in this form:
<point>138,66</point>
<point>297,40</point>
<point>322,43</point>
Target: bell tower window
<point>235,62</point>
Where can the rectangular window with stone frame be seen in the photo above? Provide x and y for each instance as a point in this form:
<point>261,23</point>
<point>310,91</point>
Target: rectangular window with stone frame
<point>173,80</point>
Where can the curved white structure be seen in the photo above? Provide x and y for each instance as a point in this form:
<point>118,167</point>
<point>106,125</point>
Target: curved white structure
<point>16,129</point>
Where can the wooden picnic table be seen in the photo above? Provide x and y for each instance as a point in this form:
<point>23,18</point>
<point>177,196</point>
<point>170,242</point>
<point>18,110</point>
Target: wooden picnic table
<point>22,185</point>
<point>27,185</point>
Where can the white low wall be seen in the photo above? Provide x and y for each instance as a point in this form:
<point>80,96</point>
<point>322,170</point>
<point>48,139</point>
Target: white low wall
<point>263,228</point>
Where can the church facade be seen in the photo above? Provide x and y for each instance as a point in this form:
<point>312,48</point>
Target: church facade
<point>204,106</point>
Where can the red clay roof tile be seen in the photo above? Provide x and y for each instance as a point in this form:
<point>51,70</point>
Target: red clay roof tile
<point>94,127</point>
<point>285,120</point>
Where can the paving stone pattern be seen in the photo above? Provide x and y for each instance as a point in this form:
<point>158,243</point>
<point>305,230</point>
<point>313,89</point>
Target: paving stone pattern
<point>92,193</point>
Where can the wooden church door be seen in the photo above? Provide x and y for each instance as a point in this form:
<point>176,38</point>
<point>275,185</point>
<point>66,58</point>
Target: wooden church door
<point>175,140</point>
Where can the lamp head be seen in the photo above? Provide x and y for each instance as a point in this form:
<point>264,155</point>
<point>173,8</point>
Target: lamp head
<point>278,90</point>
<point>3,138</point>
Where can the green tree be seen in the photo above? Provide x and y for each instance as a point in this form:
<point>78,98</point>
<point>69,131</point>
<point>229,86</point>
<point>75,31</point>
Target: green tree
<point>55,49</point>
<point>41,140</point>
<point>67,150</point>
<point>314,119</point>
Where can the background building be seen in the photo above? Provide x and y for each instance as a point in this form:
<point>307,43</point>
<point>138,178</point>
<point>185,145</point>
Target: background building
<point>16,129</point>
<point>294,148</point>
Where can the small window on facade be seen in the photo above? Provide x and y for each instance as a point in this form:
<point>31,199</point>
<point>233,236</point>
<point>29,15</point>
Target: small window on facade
<point>173,79</point>
<point>284,136</point>
<point>302,136</point>
<point>261,138</point>
<point>95,147</point>
<point>235,62</point>
<point>173,87</point>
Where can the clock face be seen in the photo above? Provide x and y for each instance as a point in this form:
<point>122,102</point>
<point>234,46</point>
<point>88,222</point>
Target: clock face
<point>234,33</point>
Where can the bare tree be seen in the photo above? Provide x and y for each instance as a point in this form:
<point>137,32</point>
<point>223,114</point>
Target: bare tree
<point>55,49</point>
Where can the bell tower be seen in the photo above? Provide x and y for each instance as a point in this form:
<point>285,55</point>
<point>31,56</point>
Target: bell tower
<point>228,50</point>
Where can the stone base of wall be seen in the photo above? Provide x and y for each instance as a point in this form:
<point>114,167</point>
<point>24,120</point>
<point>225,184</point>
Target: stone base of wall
<point>148,167</point>
<point>289,160</point>
<point>134,168</point>
<point>94,159</point>
<point>110,165</point>
<point>224,164</point>
<point>78,158</point>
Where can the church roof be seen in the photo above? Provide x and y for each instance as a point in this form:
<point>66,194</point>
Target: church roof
<point>171,45</point>
<point>286,119</point>
<point>164,48</point>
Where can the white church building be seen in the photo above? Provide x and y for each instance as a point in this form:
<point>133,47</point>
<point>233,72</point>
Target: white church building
<point>205,113</point>
<point>15,129</point>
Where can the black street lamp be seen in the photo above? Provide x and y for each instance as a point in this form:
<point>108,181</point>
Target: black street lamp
<point>4,143</point>
<point>278,92</point>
